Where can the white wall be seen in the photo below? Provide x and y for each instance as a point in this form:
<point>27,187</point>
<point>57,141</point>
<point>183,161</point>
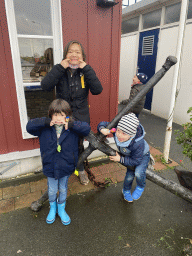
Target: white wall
<point>128,60</point>
<point>184,100</point>
<point>162,91</point>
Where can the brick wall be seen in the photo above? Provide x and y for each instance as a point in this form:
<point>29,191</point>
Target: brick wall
<point>21,195</point>
<point>38,102</point>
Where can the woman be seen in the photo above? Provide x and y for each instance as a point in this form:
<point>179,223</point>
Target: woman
<point>73,78</point>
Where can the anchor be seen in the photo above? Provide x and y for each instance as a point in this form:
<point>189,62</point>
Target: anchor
<point>97,141</point>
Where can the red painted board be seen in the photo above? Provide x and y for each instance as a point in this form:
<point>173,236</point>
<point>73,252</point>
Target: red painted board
<point>115,59</point>
<point>5,95</point>
<point>99,41</point>
<point>74,21</point>
<point>8,97</point>
<point>3,139</point>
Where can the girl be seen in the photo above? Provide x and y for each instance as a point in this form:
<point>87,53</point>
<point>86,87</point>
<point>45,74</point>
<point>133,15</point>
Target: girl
<point>134,153</point>
<point>58,137</point>
<point>73,78</point>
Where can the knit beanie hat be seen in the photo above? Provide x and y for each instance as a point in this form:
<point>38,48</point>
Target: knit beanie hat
<point>129,124</point>
<point>142,77</point>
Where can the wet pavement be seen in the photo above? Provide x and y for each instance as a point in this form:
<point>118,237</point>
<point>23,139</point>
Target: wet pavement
<point>103,224</point>
<point>159,223</point>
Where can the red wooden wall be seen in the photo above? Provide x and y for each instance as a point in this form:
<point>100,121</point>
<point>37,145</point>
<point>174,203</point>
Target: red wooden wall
<point>10,128</point>
<point>99,30</point>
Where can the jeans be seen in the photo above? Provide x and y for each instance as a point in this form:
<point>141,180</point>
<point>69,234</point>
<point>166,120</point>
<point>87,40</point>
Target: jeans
<point>139,173</point>
<point>55,185</point>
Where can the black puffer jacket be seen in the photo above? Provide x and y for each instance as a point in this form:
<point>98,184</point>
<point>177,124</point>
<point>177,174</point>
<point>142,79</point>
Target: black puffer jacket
<point>135,89</point>
<point>74,88</point>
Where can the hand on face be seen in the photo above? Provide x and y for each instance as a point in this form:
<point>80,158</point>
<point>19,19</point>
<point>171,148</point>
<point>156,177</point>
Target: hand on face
<point>59,118</point>
<point>82,63</point>
<point>74,57</point>
<point>65,63</point>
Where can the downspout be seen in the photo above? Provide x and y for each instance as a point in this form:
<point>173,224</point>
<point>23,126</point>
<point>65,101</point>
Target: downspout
<point>183,17</point>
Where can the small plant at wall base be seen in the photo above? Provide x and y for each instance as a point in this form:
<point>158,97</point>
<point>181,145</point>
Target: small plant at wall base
<point>185,137</point>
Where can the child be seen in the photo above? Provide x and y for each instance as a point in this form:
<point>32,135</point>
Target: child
<point>134,153</point>
<point>73,78</point>
<point>139,81</point>
<point>58,137</point>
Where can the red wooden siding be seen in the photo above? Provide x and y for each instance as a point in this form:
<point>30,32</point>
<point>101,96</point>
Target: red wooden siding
<point>98,30</point>
<point>12,135</point>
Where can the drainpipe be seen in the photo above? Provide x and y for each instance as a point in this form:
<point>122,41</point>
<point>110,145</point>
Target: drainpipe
<point>183,17</point>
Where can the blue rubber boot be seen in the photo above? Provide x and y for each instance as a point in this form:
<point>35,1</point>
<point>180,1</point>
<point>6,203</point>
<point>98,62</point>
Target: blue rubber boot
<point>137,193</point>
<point>65,219</point>
<point>52,212</point>
<point>127,195</point>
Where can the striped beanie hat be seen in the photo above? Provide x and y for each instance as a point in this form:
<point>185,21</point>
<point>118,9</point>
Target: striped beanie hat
<point>129,124</point>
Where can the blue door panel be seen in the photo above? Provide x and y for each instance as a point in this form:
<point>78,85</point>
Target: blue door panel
<point>147,59</point>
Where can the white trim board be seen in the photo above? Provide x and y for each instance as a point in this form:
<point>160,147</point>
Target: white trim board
<point>36,152</point>
<point>57,48</point>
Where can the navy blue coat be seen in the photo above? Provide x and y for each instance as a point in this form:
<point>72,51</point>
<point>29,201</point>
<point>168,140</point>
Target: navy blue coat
<point>58,164</point>
<point>133,154</point>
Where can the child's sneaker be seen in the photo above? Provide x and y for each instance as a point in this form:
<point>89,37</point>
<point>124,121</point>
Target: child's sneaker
<point>137,193</point>
<point>127,195</point>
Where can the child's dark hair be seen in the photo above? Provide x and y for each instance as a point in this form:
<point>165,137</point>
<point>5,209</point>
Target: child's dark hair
<point>58,106</point>
<point>67,49</point>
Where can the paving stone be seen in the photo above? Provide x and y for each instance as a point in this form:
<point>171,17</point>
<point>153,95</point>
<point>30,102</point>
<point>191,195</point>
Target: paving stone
<point>73,178</point>
<point>96,171</point>
<point>26,200</point>
<point>122,167</point>
<point>38,185</point>
<point>1,193</point>
<point>101,178</point>
<point>7,205</point>
<point>107,168</point>
<point>10,192</point>
<point>120,176</point>
<point>76,187</point>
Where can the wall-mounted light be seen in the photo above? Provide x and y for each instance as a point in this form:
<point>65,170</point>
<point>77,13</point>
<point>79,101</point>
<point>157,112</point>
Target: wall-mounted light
<point>106,3</point>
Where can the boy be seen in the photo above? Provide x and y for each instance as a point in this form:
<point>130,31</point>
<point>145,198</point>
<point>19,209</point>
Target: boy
<point>133,153</point>
<point>139,81</point>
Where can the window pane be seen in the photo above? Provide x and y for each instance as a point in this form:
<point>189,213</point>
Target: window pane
<point>172,13</point>
<point>33,17</point>
<point>152,19</point>
<point>37,102</point>
<point>189,16</point>
<point>130,25</point>
<point>36,58</point>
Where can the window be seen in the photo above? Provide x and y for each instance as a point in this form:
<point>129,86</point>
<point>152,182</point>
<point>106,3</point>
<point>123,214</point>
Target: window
<point>35,38</point>
<point>131,25</point>
<point>189,16</point>
<point>152,19</point>
<point>172,13</point>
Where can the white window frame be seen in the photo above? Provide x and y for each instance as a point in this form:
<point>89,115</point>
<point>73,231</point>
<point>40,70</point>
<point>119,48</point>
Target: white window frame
<point>13,36</point>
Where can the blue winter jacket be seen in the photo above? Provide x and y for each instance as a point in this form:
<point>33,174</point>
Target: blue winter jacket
<point>58,164</point>
<point>138,147</point>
